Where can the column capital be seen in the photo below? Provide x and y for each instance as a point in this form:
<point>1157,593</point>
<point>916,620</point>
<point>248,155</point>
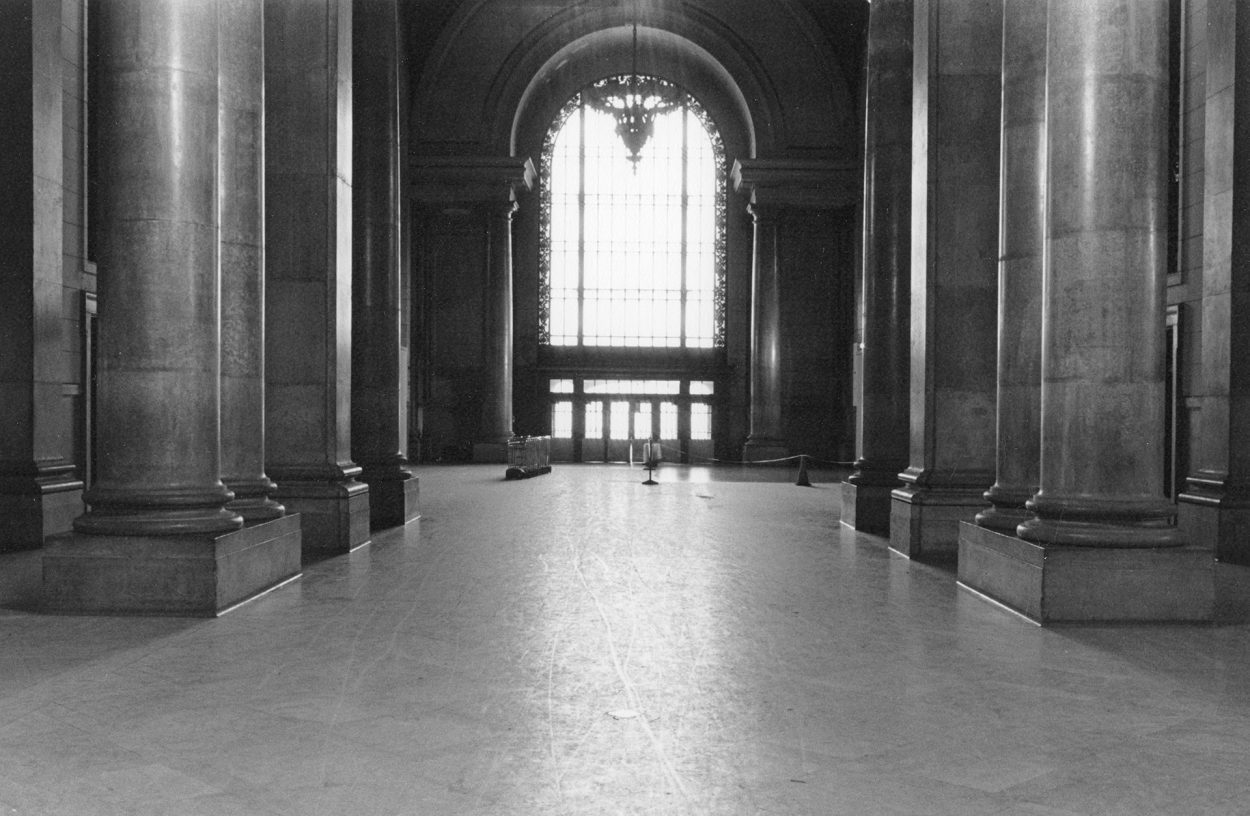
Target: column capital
<point>797,183</point>
<point>470,179</point>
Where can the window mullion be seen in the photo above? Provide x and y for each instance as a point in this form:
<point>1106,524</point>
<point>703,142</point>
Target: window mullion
<point>581,226</point>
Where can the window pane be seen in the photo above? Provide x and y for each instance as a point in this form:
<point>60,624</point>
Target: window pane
<point>642,421</point>
<point>562,420</point>
<point>700,420</point>
<point>628,233</point>
<point>594,420</point>
<point>620,421</point>
<point>668,420</point>
<point>560,387</point>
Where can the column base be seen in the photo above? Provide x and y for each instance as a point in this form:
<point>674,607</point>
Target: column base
<point>762,450</point>
<point>867,508</point>
<point>334,516</point>
<point>27,518</point>
<point>490,453</point>
<point>195,575</point>
<point>1060,583</point>
<point>393,502</point>
<point>924,521</point>
<point>1217,525</point>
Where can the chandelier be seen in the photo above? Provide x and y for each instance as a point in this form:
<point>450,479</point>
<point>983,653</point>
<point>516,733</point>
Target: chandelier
<point>634,101</point>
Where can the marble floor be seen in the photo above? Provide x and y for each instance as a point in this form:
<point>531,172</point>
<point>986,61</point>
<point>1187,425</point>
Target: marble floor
<point>579,643</point>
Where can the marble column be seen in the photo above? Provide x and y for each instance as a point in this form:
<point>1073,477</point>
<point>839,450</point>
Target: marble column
<point>956,103</point>
<point>157,537</point>
<point>1102,545</point>
<point>379,365</point>
<point>496,420</point>
<point>1214,508</point>
<point>479,193</point>
<point>882,424</point>
<point>242,193</point>
<point>40,491</point>
<point>766,439</point>
<point>1102,377</point>
<point>1022,224</point>
<point>308,303</point>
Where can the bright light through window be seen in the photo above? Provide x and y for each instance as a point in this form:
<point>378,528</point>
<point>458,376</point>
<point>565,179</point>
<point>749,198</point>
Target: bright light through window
<point>633,252</point>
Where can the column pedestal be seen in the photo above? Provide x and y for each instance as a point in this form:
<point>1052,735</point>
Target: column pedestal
<point>335,512</point>
<point>33,509</point>
<point>1222,522</point>
<point>867,507</point>
<point>1056,583</point>
<point>394,495</point>
<point>924,521</point>
<point>194,575</point>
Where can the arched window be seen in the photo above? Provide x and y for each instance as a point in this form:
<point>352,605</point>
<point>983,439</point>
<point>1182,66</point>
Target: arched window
<point>632,247</point>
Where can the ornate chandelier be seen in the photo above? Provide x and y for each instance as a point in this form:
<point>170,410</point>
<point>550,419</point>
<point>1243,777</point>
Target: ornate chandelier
<point>634,101</point>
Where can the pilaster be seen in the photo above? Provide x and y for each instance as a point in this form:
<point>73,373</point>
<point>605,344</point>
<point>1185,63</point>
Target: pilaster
<point>882,422</point>
<point>488,188</point>
<point>40,491</point>
<point>379,346</point>
<point>956,107</point>
<point>308,305</point>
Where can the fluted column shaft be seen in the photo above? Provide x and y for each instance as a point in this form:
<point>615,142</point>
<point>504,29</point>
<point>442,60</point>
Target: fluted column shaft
<point>159,377</point>
<point>242,180</point>
<point>883,416</point>
<point>766,438</point>
<point>1021,237</point>
<point>496,422</point>
<point>1103,359</point>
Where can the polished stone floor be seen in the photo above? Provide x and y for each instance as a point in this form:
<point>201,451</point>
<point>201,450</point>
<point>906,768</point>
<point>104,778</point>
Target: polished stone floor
<point>578,643</point>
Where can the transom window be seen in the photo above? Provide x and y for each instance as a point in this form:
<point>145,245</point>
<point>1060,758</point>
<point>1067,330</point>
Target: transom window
<point>632,251</point>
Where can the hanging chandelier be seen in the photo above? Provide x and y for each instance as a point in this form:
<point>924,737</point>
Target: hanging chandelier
<point>634,101</point>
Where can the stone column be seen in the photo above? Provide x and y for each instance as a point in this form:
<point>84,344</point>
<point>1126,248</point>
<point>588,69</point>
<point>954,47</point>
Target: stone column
<point>40,492</point>
<point>1102,546</point>
<point>766,438</point>
<point>242,180</point>
<point>157,537</point>
<point>308,304</point>
<point>957,66</point>
<point>482,190</point>
<point>779,188</point>
<point>1102,379</point>
<point>1022,223</point>
<point>1214,509</point>
<point>496,420</point>
<point>881,431</point>
<point>379,369</point>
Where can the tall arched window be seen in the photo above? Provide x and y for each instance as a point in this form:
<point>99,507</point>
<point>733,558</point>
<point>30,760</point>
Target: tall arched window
<point>632,247</point>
